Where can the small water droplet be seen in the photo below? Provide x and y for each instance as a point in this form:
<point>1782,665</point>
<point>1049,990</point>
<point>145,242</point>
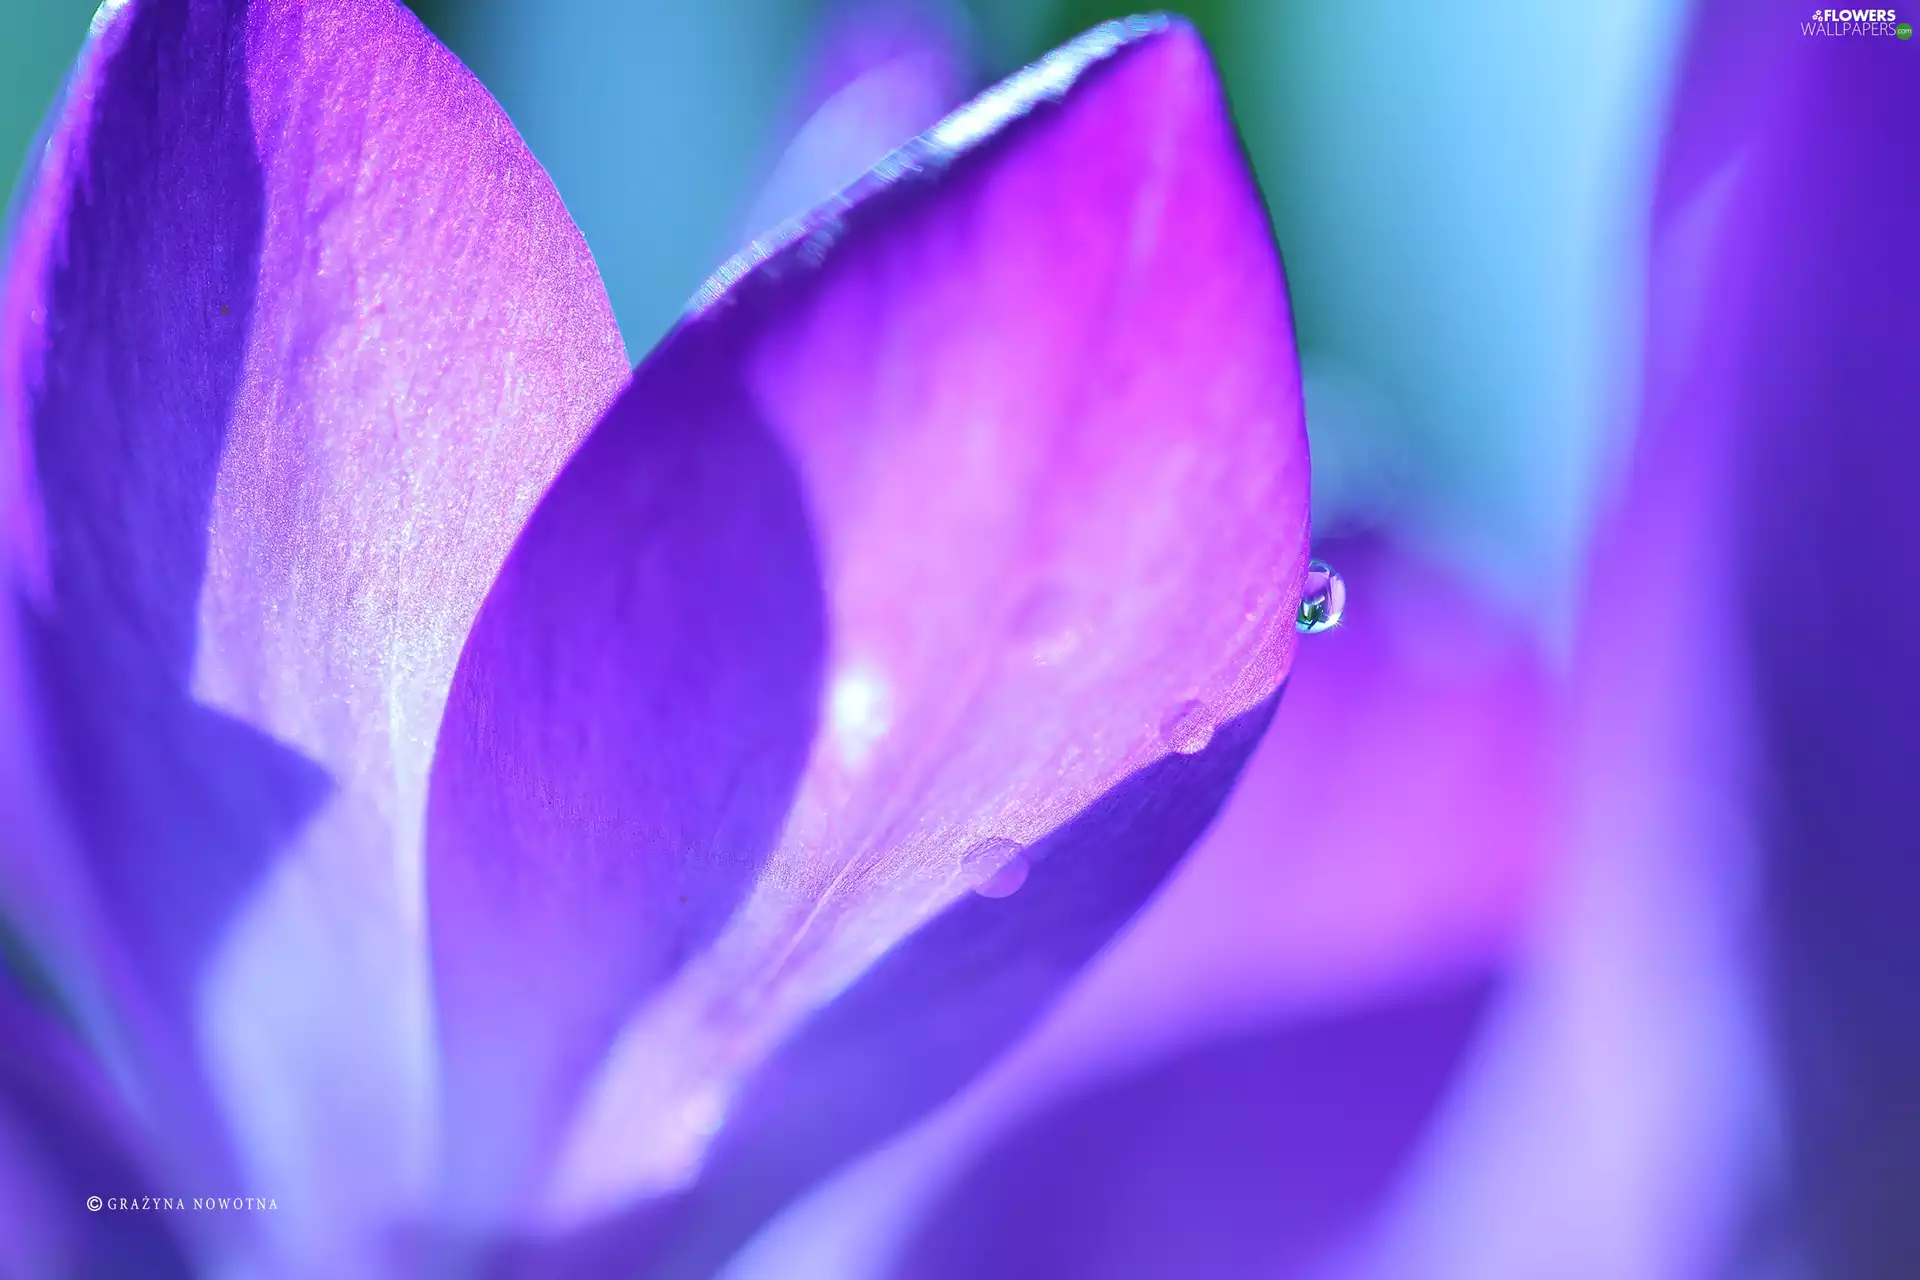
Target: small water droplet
<point>1045,626</point>
<point>996,867</point>
<point>1188,728</point>
<point>1323,599</point>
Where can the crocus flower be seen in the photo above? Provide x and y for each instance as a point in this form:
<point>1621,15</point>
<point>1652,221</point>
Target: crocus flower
<point>1699,1058</point>
<point>506,812</point>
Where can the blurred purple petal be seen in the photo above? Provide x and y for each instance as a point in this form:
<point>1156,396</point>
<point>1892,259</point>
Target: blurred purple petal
<point>65,1135</point>
<point>1252,1155</point>
<point>1391,828</point>
<point>1035,378</point>
<point>1387,835</point>
<point>1389,832</point>
<point>1624,1095</point>
<point>296,332</point>
<point>887,73</point>
<point>150,813</point>
<point>1828,571</point>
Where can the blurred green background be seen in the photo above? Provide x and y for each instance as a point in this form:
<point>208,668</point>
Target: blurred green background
<point>1459,192</point>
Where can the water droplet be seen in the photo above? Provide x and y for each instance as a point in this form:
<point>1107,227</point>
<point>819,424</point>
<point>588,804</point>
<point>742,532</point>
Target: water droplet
<point>1188,728</point>
<point>1323,599</point>
<point>1045,625</point>
<point>996,867</point>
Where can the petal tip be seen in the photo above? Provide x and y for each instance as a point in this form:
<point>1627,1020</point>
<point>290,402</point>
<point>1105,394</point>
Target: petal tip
<point>984,118</point>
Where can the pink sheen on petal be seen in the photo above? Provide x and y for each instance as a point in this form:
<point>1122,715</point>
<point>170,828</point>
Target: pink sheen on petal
<point>1036,383</point>
<point>1387,834</point>
<point>432,341</point>
<point>1384,843</point>
<point>296,336</point>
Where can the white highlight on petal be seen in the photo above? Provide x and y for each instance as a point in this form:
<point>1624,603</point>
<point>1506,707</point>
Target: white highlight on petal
<point>1045,81</point>
<point>859,713</point>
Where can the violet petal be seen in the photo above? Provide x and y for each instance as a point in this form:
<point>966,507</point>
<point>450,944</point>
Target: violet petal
<point>1043,404</point>
<point>1623,1096</point>
<point>885,75</point>
<point>1828,570</point>
<point>917,1026</point>
<point>627,727</point>
<point>65,1135</point>
<point>1250,1155</point>
<point>1388,834</point>
<point>1035,377</point>
<point>295,334</point>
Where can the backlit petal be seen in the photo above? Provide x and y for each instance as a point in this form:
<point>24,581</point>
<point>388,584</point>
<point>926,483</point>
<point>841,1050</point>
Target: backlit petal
<point>1035,380</point>
<point>296,333</point>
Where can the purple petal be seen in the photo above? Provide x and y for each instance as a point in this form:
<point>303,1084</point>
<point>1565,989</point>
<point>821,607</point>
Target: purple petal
<point>1251,1155</point>
<point>629,722</point>
<point>1828,575</point>
<point>1391,829</point>
<point>887,74</point>
<point>1035,382</point>
<point>296,333</point>
<point>65,1135</point>
<point>1750,712</point>
<point>1389,832</point>
<point>1387,835</point>
<point>1623,1099</point>
<point>928,1016</point>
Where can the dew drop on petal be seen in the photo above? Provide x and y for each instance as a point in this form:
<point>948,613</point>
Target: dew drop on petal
<point>996,867</point>
<point>1323,598</point>
<point>1251,602</point>
<point>1188,728</point>
<point>1045,627</point>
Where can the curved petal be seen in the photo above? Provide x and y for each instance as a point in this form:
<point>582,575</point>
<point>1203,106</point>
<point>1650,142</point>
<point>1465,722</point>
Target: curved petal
<point>1035,377</point>
<point>1387,835</point>
<point>886,74</point>
<point>295,334</point>
<point>1622,1097</point>
<point>928,1016</point>
<point>1391,830</point>
<point>629,721</point>
<point>654,119</point>
<point>1252,1155</point>
<point>65,1135</point>
<point>1825,508</point>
